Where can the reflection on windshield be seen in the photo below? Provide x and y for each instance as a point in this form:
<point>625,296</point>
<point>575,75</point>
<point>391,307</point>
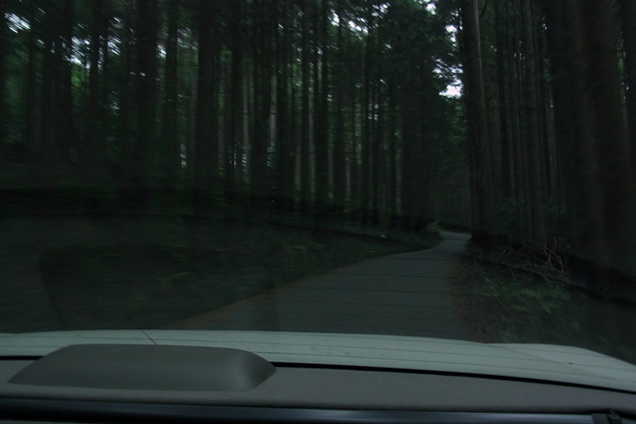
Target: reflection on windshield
<point>452,168</point>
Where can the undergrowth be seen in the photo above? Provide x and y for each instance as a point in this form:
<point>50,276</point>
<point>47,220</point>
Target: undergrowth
<point>507,306</point>
<point>501,304</point>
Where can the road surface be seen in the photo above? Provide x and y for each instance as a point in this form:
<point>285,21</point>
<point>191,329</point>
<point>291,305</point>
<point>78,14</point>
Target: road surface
<point>404,294</point>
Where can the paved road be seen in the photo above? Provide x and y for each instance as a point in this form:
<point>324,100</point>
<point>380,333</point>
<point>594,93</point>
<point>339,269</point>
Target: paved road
<point>404,294</point>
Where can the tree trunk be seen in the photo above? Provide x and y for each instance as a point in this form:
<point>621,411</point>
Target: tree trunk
<point>146,99</point>
<point>94,151</point>
<point>4,44</point>
<point>259,175</point>
<point>206,145</point>
<point>391,157</point>
<point>628,20</point>
<point>171,149</point>
<point>503,75</point>
<point>367,119</point>
<point>305,138</point>
<point>610,130</point>
<point>321,100</point>
<point>574,116</point>
<point>31,126</point>
<point>284,149</point>
<point>57,129</point>
<point>409,162</point>
<point>534,142</point>
<point>126,111</point>
<point>339,150</point>
<point>481,179</point>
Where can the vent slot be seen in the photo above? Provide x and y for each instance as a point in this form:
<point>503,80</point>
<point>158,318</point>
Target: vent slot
<point>143,367</point>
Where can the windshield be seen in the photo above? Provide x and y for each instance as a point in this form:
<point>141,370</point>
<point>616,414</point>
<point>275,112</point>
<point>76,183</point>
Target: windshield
<point>452,169</point>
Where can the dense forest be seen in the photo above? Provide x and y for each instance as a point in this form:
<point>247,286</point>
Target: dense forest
<point>322,107</point>
<point>330,109</point>
<point>551,125</point>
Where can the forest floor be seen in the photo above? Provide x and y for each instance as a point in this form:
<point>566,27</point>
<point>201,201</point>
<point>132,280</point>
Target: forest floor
<point>61,273</point>
<point>501,304</point>
<point>140,272</point>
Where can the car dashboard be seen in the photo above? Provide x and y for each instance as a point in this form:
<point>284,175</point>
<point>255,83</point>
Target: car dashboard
<point>134,383</point>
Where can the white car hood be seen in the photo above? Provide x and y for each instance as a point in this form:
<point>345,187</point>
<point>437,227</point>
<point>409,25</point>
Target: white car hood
<point>551,363</point>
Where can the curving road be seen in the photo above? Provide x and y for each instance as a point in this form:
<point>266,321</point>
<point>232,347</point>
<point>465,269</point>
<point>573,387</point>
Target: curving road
<point>405,294</point>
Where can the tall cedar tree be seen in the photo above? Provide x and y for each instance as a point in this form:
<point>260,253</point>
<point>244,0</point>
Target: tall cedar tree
<point>170,157</point>
<point>206,148</point>
<point>94,149</point>
<point>4,44</point>
<point>480,163</point>
<point>145,131</point>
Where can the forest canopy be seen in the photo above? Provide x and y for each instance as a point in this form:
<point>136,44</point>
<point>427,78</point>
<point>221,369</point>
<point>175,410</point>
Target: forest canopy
<point>334,109</point>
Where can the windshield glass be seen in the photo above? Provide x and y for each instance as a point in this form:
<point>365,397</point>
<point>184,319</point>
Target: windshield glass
<point>454,169</point>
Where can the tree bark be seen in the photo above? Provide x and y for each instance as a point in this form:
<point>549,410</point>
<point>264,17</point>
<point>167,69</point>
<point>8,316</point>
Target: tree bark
<point>305,138</point>
<point>57,128</point>
<point>502,38</point>
<point>339,148</point>
<point>171,151</point>
<point>4,44</point>
<point>146,99</point>
<point>321,100</point>
<point>94,150</point>
<point>574,115</point>
<point>234,103</point>
<point>262,78</point>
<point>610,130</point>
<point>285,157</point>
<point>481,178</point>
<point>534,141</point>
<point>206,144</point>
<point>628,20</point>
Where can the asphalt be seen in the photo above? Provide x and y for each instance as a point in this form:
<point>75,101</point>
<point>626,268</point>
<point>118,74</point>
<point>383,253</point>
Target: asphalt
<point>405,294</point>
